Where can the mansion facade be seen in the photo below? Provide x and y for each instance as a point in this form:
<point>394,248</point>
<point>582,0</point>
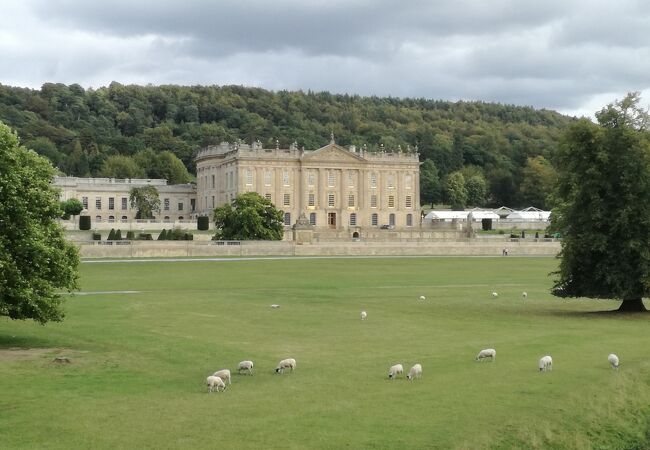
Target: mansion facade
<point>332,187</point>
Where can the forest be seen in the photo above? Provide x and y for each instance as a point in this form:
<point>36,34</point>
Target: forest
<point>472,153</point>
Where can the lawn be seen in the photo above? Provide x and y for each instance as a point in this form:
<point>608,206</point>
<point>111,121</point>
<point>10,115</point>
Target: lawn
<point>139,360</point>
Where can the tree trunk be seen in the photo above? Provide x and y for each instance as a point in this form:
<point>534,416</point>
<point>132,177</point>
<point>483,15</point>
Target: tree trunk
<point>632,305</point>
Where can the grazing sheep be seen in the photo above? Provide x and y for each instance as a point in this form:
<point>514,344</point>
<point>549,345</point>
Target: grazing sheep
<point>364,315</point>
<point>613,360</point>
<point>422,297</point>
<point>524,295</point>
<point>415,372</point>
<point>224,374</point>
<point>395,370</point>
<point>215,383</point>
<point>274,306</point>
<point>545,363</point>
<point>495,295</point>
<point>487,353</point>
<point>245,366</point>
<point>286,363</point>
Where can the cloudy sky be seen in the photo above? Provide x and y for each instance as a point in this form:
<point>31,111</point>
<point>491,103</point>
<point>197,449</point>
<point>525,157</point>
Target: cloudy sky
<point>570,55</point>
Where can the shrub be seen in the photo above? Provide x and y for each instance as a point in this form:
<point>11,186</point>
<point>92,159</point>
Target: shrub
<point>501,232</point>
<point>130,235</point>
<point>486,224</point>
<point>111,235</point>
<point>145,237</point>
<point>523,233</point>
<point>118,235</point>
<point>203,223</point>
<point>97,236</point>
<point>163,235</point>
<point>536,234</point>
<point>84,223</point>
<point>188,237</point>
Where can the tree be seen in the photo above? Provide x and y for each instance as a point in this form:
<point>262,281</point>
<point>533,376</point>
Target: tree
<point>145,200</point>
<point>118,166</point>
<point>603,210</point>
<point>476,187</point>
<point>455,190</point>
<point>539,178</point>
<point>249,217</point>
<point>36,262</point>
<point>72,207</point>
<point>429,183</point>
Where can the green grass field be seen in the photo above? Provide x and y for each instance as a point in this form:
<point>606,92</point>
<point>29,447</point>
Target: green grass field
<point>140,359</point>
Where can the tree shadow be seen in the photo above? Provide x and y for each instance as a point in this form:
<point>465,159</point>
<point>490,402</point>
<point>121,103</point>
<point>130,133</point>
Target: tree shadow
<point>19,341</point>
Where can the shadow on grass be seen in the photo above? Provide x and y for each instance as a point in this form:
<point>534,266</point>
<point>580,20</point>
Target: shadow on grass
<point>8,341</point>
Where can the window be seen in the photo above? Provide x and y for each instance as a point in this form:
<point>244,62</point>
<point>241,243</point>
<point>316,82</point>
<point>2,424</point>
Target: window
<point>409,220</point>
<point>166,203</point>
<point>267,178</point>
<point>312,218</point>
<point>311,199</point>
<point>353,220</point>
<point>408,181</point>
<point>373,181</point>
<point>287,200</point>
<point>285,178</point>
<point>331,178</point>
<point>111,203</point>
<point>124,203</point>
<point>330,200</point>
<point>373,201</point>
<point>84,200</point>
<point>212,181</point>
<point>213,201</point>
<point>409,201</point>
<point>351,200</point>
<point>180,206</point>
<point>98,218</point>
<point>287,218</point>
<point>351,178</point>
<point>249,177</point>
<point>391,182</point>
<point>310,178</point>
<point>231,180</point>
<point>111,218</point>
<point>374,220</point>
<point>124,218</point>
<point>391,220</point>
<point>166,218</point>
<point>98,203</point>
<point>391,201</point>
<point>267,196</point>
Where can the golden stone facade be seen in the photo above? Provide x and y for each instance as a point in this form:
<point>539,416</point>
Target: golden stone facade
<point>335,187</point>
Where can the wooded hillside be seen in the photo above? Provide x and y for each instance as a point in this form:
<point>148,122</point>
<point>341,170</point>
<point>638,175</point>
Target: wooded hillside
<point>478,153</point>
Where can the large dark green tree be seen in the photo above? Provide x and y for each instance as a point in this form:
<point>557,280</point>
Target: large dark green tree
<point>145,200</point>
<point>36,262</point>
<point>603,209</point>
<point>429,183</point>
<point>248,217</point>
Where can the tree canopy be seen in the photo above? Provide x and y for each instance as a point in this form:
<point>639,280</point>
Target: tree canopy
<point>82,130</point>
<point>603,209</point>
<point>36,262</point>
<point>248,217</point>
<point>145,200</point>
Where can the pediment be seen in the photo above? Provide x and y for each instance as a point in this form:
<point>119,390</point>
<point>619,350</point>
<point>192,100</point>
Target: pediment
<point>333,153</point>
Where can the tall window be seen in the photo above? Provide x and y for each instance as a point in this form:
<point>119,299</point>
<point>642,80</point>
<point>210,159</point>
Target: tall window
<point>310,178</point>
<point>391,219</point>
<point>285,178</point>
<point>180,206</point>
<point>409,220</point>
<point>331,178</point>
<point>374,220</point>
<point>330,200</point>
<point>373,180</point>
<point>166,204</point>
<point>373,201</point>
<point>312,218</point>
<point>213,186</point>
<point>84,201</point>
<point>311,199</point>
<point>98,203</point>
<point>391,182</point>
<point>287,218</point>
<point>391,201</point>
<point>408,181</point>
<point>351,178</point>
<point>287,200</point>
<point>267,196</point>
<point>267,178</point>
<point>351,200</point>
<point>249,177</point>
<point>353,220</point>
<point>213,201</point>
<point>409,201</point>
<point>111,203</point>
<point>124,203</point>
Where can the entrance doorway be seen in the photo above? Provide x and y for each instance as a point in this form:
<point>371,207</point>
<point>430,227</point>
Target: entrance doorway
<point>331,220</point>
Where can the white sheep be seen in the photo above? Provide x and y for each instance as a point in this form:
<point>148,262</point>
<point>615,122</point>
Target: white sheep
<point>524,295</point>
<point>613,360</point>
<point>415,372</point>
<point>286,363</point>
<point>495,295</point>
<point>422,297</point>
<point>487,353</point>
<point>274,306</point>
<point>215,383</point>
<point>364,315</point>
<point>246,366</point>
<point>395,370</point>
<point>224,374</point>
<point>545,363</point>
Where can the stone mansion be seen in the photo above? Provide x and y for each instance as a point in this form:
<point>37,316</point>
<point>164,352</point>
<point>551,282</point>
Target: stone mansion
<point>333,187</point>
